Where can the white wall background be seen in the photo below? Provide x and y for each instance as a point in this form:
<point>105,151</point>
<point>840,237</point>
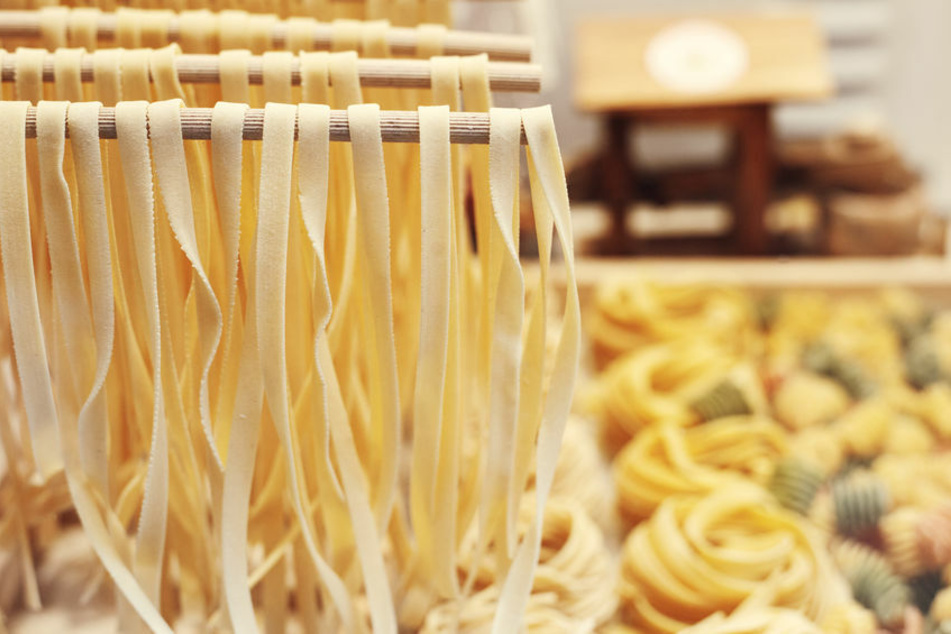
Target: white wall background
<point>890,57</point>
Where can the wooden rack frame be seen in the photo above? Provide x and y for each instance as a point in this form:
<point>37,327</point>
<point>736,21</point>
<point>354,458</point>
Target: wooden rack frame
<point>401,40</point>
<point>384,73</point>
<point>397,126</point>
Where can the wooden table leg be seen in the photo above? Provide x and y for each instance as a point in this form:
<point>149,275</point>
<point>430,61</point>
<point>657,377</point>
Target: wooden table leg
<point>617,185</point>
<point>754,179</point>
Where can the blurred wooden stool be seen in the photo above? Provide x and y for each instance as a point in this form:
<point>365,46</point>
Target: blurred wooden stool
<point>726,70</point>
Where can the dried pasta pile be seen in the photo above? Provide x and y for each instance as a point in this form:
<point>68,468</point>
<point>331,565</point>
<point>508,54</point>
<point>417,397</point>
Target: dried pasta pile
<point>779,462</point>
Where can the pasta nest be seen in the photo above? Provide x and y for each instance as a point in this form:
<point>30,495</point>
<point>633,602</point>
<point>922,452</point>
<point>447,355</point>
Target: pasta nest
<point>569,591</point>
<point>695,558</point>
<point>630,315</point>
<point>667,460</point>
<point>657,385</point>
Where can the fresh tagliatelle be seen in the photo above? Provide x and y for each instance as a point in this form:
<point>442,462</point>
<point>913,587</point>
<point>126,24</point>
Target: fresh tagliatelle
<point>213,361</point>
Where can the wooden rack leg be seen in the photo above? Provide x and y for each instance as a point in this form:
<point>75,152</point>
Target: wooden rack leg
<point>618,187</point>
<point>754,179</point>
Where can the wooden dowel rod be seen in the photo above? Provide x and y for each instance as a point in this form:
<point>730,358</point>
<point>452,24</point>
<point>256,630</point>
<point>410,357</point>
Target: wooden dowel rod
<point>397,126</point>
<point>394,73</point>
<point>401,40</point>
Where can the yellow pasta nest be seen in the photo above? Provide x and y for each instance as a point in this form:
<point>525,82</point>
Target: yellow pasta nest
<point>574,570</point>
<point>665,461</point>
<point>633,314</point>
<point>695,558</point>
<point>657,385</point>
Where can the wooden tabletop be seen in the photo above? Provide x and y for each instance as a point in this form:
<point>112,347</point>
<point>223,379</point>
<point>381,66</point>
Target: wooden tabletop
<point>787,61</point>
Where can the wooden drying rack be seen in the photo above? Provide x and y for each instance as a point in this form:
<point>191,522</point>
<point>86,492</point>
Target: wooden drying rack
<point>385,73</point>
<point>401,40</point>
<point>396,126</point>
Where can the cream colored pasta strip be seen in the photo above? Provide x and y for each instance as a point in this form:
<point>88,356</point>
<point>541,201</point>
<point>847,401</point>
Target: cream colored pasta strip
<point>197,31</point>
<point>315,77</point>
<point>131,127</point>
<point>273,220</point>
<point>67,74</point>
<point>53,27</point>
<point>66,267</point>
<point>506,361</point>
<point>243,440</point>
<point>93,420</point>
<point>129,27</point>
<point>106,77</point>
<point>313,166</point>
<point>436,218</point>
<point>233,70</point>
<point>431,40</point>
<point>546,162</point>
<point>374,42</point>
<point>300,34</point>
<point>346,35</point>
<point>172,175</point>
<point>276,69</point>
<point>154,30</point>
<point>373,228</point>
<point>22,301</point>
<point>261,33</point>
<point>83,28</point>
<point>233,30</point>
<point>227,126</point>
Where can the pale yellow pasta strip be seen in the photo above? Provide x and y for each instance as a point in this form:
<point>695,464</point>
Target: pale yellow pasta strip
<point>300,34</point>
<point>66,267</point>
<point>28,72</point>
<point>430,40</point>
<point>197,31</point>
<point>129,27</point>
<point>315,77</point>
<point>155,29</point>
<point>83,27</point>
<point>261,33</point>
<point>270,288</point>
<point>346,35</point>
<point>436,243</point>
<point>373,229</point>
<point>313,169</point>
<point>233,30</point>
<point>53,27</point>
<point>172,176</point>
<point>549,169</point>
<point>67,74</point>
<point>243,440</point>
<point>134,74</point>
<point>345,79</point>
<point>22,301</point>
<point>132,133</point>
<point>504,384</point>
<point>233,70</point>
<point>227,126</point>
<point>106,80</point>
<point>276,68</point>
<point>93,420</point>
<point>373,37</point>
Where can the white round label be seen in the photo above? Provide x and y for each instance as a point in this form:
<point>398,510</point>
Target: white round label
<point>697,56</point>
